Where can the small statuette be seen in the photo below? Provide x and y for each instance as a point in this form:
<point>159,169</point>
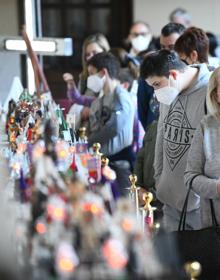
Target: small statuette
<point>147,198</point>
<point>82,134</point>
<point>96,149</point>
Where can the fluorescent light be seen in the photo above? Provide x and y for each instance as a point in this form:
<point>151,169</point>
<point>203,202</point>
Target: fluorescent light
<point>30,77</point>
<point>38,46</point>
<point>29,18</point>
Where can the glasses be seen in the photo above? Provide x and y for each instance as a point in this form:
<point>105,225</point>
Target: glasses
<point>136,34</point>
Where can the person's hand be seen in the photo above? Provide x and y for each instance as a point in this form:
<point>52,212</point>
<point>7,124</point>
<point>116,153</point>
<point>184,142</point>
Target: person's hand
<point>69,79</point>
<point>85,113</point>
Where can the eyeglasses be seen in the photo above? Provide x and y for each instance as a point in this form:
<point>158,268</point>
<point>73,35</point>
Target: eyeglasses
<point>136,34</point>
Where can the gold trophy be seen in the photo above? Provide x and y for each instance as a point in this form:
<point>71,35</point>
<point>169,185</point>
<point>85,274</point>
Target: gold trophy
<point>133,193</point>
<point>147,211</point>
<point>193,269</point>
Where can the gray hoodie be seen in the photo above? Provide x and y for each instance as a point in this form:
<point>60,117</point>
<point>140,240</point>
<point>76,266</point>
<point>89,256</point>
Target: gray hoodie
<point>111,121</point>
<point>204,161</point>
<point>177,124</point>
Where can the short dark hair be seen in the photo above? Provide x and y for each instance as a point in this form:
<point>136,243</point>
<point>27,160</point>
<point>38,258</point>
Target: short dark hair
<point>193,39</point>
<point>213,43</point>
<point>108,61</point>
<point>160,63</point>
<point>126,76</point>
<point>171,28</point>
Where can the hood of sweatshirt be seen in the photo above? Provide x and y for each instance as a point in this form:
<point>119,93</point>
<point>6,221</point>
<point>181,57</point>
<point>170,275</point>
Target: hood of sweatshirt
<point>176,127</point>
<point>201,79</point>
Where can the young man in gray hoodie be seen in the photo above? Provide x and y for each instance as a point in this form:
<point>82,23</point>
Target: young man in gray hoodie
<point>111,116</point>
<point>181,90</point>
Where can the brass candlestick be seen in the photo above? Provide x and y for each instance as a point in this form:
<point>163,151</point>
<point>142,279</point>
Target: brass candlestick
<point>133,192</point>
<point>193,269</point>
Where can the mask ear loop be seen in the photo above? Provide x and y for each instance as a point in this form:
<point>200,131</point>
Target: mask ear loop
<point>169,81</point>
<point>178,85</point>
<point>176,81</point>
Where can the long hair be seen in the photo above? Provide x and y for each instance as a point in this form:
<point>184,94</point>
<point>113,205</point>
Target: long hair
<point>100,40</point>
<point>212,105</point>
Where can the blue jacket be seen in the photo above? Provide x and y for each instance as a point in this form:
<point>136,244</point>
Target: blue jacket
<point>111,121</point>
<point>148,107</point>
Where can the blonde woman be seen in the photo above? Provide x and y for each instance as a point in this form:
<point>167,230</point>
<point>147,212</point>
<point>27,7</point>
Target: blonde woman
<point>204,155</point>
<point>92,45</point>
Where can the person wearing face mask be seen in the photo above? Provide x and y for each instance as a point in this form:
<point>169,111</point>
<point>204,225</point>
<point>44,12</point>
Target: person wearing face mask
<point>181,91</point>
<point>193,46</point>
<point>92,45</point>
<point>111,116</point>
<point>148,110</point>
<point>147,106</point>
<point>140,38</point>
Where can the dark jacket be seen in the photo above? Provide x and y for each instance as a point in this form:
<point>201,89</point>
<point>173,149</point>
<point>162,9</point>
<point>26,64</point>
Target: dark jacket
<point>145,158</point>
<point>144,96</point>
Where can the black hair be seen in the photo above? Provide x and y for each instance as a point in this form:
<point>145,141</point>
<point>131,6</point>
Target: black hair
<point>213,43</point>
<point>126,60</point>
<point>160,63</point>
<point>171,28</point>
<point>108,61</point>
<point>126,76</point>
<point>121,54</point>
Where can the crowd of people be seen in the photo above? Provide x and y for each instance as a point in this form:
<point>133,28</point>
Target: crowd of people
<point>154,108</point>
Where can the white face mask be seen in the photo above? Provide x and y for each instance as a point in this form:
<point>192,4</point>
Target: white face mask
<point>95,83</point>
<point>166,95</point>
<point>141,43</point>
